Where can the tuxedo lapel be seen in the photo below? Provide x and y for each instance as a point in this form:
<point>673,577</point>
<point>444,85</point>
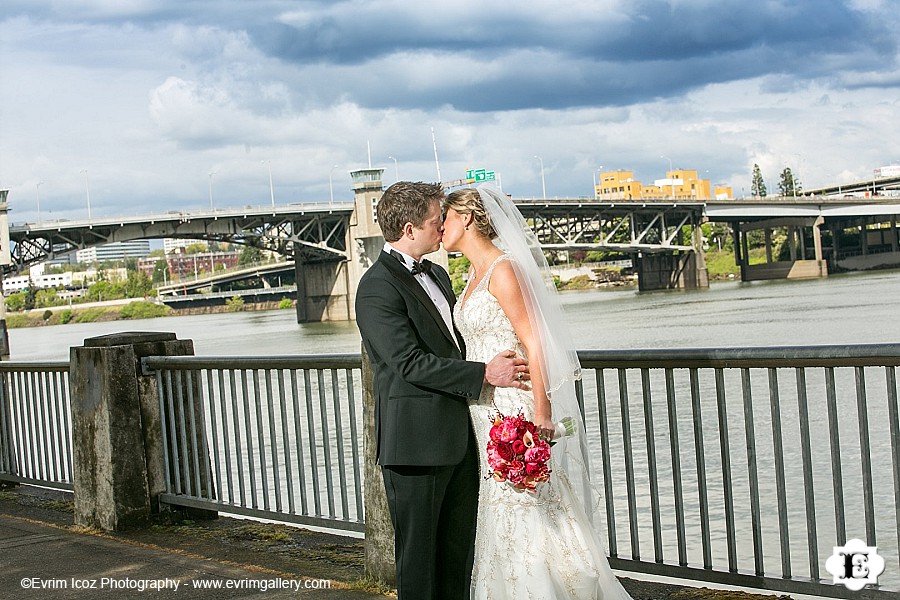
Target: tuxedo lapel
<point>406,278</point>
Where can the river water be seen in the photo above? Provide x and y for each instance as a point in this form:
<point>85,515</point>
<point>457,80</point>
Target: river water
<point>843,309</point>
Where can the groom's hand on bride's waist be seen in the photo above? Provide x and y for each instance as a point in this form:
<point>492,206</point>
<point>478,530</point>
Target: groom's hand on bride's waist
<point>507,370</point>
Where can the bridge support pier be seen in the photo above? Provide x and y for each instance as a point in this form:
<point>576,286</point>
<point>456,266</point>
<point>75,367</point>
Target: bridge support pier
<point>323,291</point>
<point>671,271</point>
<point>798,265</point>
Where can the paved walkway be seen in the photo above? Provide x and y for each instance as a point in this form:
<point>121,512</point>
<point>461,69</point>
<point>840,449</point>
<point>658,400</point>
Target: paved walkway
<point>43,556</point>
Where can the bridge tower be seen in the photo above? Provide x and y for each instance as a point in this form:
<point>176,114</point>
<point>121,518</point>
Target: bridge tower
<point>364,238</point>
<point>326,292</point>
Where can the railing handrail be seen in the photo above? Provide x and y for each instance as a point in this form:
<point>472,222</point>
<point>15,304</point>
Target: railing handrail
<point>845,355</point>
<point>37,365</point>
<point>834,355</point>
<point>285,361</point>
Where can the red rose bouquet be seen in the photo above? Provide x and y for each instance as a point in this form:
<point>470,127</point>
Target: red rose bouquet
<point>517,453</point>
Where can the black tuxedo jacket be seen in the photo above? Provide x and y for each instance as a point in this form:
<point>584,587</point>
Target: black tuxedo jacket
<point>421,380</point>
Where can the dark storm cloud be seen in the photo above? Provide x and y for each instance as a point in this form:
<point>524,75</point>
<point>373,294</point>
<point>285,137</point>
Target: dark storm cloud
<point>568,59</point>
<point>498,56</point>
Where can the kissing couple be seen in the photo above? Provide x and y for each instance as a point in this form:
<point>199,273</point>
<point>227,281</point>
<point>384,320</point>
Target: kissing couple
<point>444,369</point>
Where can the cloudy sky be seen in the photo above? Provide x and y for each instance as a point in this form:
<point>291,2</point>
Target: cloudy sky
<point>136,102</point>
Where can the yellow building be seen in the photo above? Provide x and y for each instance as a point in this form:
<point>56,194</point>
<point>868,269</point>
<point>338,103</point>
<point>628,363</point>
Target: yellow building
<point>679,184</point>
<point>618,185</point>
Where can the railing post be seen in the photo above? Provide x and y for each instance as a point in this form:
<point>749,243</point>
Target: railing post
<point>116,435</point>
<point>379,543</point>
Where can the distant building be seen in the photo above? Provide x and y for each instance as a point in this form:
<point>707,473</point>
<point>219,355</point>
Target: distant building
<point>114,251</point>
<point>37,278</point>
<point>170,245</point>
<point>679,184</point>
<point>180,265</point>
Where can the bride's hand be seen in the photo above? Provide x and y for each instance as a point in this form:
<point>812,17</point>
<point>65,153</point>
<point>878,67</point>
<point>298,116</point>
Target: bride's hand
<point>545,426</point>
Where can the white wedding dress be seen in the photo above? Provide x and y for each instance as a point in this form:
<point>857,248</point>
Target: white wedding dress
<point>541,545</point>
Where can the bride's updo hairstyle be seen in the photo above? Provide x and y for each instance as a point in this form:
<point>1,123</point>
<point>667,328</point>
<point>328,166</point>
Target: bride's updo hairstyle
<point>467,201</point>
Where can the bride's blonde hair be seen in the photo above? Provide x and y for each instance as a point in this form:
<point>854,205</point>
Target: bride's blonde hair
<point>468,201</point>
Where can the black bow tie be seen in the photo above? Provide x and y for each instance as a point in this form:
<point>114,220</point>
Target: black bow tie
<point>418,267</point>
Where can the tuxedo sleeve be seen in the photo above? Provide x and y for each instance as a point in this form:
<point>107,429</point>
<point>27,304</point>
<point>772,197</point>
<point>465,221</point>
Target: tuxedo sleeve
<point>400,344</point>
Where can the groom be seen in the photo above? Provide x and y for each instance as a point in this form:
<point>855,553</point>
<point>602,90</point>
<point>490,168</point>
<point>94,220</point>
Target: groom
<point>425,443</point>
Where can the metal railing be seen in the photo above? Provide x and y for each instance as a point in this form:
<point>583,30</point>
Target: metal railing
<point>274,437</point>
<point>36,424</point>
<point>731,466</point>
<point>747,466</point>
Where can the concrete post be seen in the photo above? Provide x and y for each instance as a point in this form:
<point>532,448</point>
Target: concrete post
<point>116,431</point>
<point>817,237</point>
<point>379,542</point>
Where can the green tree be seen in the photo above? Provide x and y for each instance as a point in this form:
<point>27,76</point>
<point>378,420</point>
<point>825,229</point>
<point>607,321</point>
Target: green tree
<point>137,285</point>
<point>250,255</point>
<point>15,302</point>
<point>788,184</point>
<point>196,248</point>
<point>30,297</point>
<point>758,185</point>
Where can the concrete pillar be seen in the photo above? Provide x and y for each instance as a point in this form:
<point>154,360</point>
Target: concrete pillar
<point>792,242</point>
<point>116,432</point>
<point>379,542</point>
<point>836,231</point>
<point>817,237</point>
<point>744,250</point>
<point>768,235</point>
<point>894,247</point>
<point>322,291</point>
<point>864,238</point>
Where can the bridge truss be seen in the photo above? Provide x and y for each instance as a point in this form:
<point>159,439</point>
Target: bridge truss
<point>629,228</point>
<point>311,234</point>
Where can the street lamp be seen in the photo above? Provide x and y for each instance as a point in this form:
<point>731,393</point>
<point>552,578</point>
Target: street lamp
<point>672,179</point>
<point>211,173</point>
<point>331,185</point>
<point>543,184</point>
<point>271,187</point>
<point>37,193</point>
<point>87,182</point>
<point>396,169</point>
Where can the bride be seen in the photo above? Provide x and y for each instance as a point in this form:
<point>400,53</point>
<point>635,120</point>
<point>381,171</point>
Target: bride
<point>541,544</point>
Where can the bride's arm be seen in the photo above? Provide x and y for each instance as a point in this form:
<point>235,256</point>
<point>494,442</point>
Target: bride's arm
<point>505,287</point>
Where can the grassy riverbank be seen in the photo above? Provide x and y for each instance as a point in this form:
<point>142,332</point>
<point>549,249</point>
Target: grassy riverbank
<point>94,314</point>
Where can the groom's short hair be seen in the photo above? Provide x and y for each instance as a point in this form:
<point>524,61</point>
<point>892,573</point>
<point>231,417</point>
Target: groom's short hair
<point>406,202</point>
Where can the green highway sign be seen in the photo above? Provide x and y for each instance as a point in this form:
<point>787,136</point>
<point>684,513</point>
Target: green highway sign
<point>476,175</point>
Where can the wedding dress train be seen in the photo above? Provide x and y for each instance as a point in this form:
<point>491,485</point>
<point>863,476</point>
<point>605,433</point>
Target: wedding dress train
<point>540,545</point>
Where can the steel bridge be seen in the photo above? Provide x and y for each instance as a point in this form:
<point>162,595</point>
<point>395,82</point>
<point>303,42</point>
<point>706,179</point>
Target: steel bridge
<point>315,233</point>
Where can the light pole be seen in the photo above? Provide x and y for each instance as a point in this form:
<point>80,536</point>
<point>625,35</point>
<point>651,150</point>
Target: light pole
<point>87,182</point>
<point>672,179</point>
<point>37,194</point>
<point>543,184</point>
<point>268,163</point>
<point>211,173</point>
<point>794,175</point>
<point>331,185</point>
<point>396,169</point>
